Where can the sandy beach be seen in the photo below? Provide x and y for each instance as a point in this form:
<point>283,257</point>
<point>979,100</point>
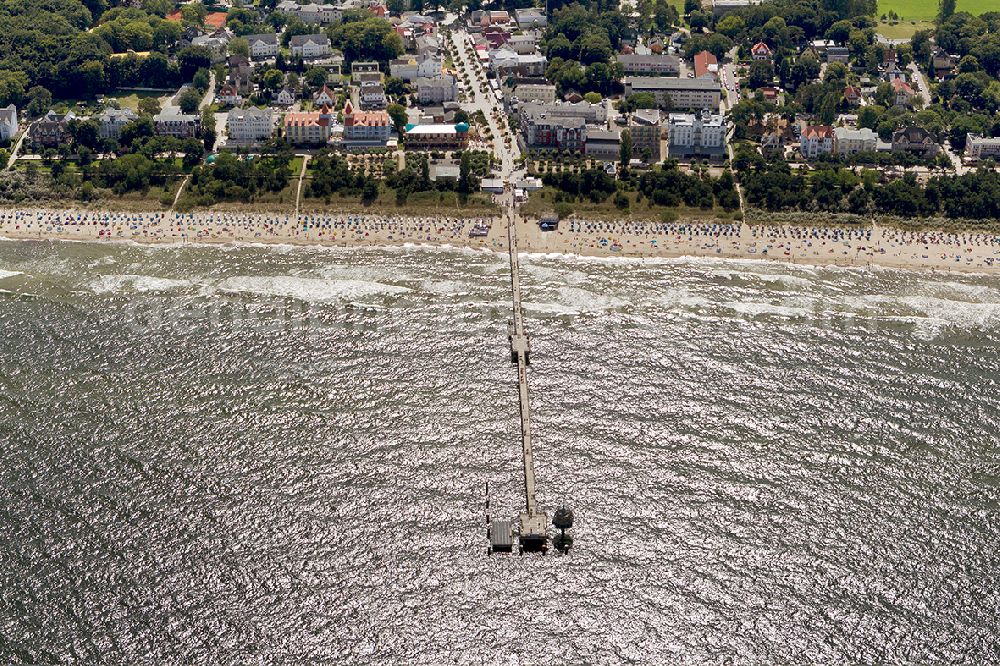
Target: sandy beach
<point>856,246</point>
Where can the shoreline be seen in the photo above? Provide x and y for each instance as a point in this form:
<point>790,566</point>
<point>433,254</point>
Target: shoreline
<point>809,245</point>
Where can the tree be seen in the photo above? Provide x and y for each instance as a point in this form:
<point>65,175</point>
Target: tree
<point>399,118</point>
<point>190,99</point>
<point>239,46</point>
<point>272,80</point>
<point>761,74</point>
<point>149,106</point>
<point>315,77</point>
<point>625,150</point>
<point>40,101</point>
<point>193,58</point>
<point>201,79</point>
<point>691,6</point>
<point>731,25</point>
<point>945,10</point>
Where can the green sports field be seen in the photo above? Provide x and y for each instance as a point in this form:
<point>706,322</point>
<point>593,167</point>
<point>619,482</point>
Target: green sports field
<point>926,10</point>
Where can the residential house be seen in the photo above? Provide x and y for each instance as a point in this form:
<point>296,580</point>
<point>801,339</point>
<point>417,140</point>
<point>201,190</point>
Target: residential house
<point>365,71</point>
<point>437,136</point>
<point>111,121</point>
<point>706,64</point>
<point>372,95</point>
<point>775,137</point>
<point>8,122</point>
<point>311,13</point>
<point>848,141</point>
<point>263,46</point>
<point>530,18</point>
<point>602,144</point>
<point>427,45</point>
<point>411,68</point>
<point>722,7</point>
<point>650,65</point>
<point>916,140</point>
<point>893,73</point>
<point>523,44</point>
<point>944,65</point>
<point>51,130</point>
<point>217,43</point>
<point>691,134</point>
<point>436,89</point>
<point>978,147</point>
<point>285,97</point>
<point>324,96</point>
<point>250,125</point>
<point>172,122</point>
<point>903,93</point>
<point>646,128</point>
<point>839,54</point>
<point>308,128</point>
<point>696,93</point>
<point>365,128</point>
<point>229,94</point>
<point>309,46</point>
<point>505,62</point>
<point>761,51</point>
<point>535,92</point>
<point>853,95</point>
<point>544,130</point>
<point>816,140</point>
<point>239,67</point>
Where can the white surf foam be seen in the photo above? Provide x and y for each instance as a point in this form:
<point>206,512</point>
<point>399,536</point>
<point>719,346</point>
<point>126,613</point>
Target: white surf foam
<point>7,274</point>
<point>113,284</point>
<point>309,289</point>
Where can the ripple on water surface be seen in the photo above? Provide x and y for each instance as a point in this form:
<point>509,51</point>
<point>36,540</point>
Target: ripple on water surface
<point>246,456</point>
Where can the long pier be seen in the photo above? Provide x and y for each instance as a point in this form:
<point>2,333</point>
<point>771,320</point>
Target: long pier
<point>533,524</point>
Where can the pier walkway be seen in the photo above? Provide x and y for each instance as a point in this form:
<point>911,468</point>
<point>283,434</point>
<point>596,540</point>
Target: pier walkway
<point>533,533</point>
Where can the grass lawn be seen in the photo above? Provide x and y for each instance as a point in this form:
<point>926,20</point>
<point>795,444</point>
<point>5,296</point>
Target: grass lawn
<point>926,10</point>
<point>543,201</point>
<point>904,29</point>
<point>131,100</point>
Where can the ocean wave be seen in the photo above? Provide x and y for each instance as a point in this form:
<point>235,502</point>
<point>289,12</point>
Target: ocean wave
<point>309,289</point>
<point>113,284</point>
<point>8,274</point>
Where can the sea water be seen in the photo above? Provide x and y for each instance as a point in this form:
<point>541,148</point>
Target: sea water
<point>280,456</point>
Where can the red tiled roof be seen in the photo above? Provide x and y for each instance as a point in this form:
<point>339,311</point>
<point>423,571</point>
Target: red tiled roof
<point>702,60</point>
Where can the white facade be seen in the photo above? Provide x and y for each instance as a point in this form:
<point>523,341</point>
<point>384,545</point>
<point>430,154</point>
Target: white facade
<point>850,141</point>
<point>285,97</point>
<point>111,122</point>
<point>411,68</point>
<point>536,92</point>
<point>816,140</point>
<point>312,13</point>
<point>263,46</point>
<point>980,148</point>
<point>251,124</point>
<point>437,89</point>
<point>696,133</point>
<point>310,46</point>
<point>8,123</point>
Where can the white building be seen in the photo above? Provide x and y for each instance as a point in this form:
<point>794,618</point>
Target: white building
<point>691,134</point>
<point>8,123</point>
<point>285,97</point>
<point>312,13</point>
<point>263,46</point>
<point>324,96</point>
<point>310,46</point>
<point>411,68</point>
<point>249,125</point>
<point>535,92</point>
<point>372,95</point>
<point>978,147</point>
<point>816,140</point>
<point>682,93</point>
<point>530,18</point>
<point>848,141</point>
<point>436,89</point>
<point>111,121</point>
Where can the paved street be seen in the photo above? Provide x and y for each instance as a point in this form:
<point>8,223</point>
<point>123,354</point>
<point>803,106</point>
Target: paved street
<point>486,102</point>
